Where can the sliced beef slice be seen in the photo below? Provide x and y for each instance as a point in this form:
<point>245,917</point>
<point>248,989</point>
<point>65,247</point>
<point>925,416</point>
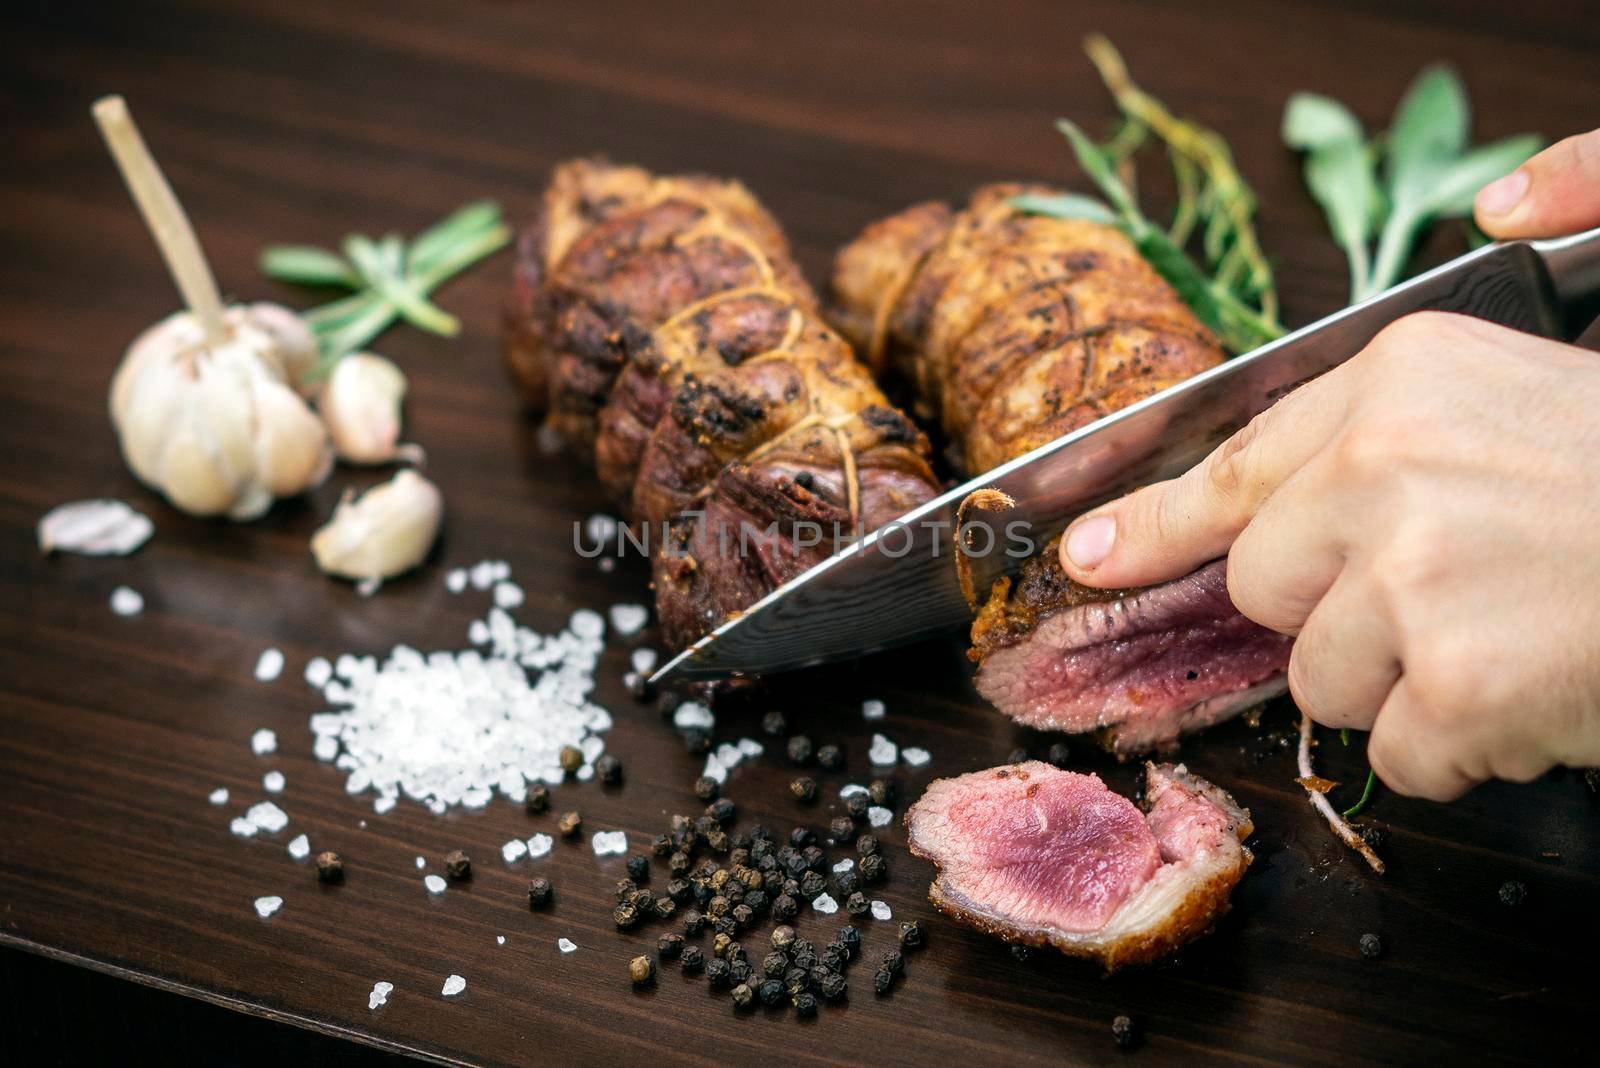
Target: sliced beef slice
<point>1039,856</point>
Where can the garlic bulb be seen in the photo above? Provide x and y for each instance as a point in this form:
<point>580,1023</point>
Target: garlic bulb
<point>220,429</point>
<point>360,406</point>
<point>385,531</point>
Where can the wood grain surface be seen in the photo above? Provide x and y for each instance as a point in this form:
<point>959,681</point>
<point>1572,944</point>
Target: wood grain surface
<point>301,121</point>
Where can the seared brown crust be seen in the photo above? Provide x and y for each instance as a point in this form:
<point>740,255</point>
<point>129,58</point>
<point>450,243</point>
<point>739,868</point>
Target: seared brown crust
<point>1013,328</point>
<point>1042,587</point>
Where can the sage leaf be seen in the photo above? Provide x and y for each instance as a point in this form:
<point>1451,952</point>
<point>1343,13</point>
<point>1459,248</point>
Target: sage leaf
<point>1457,186</point>
<point>1064,206</point>
<point>1312,121</point>
<point>308,266</point>
<point>1429,129</point>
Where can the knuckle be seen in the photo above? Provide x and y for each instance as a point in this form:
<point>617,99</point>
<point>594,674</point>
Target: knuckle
<point>1444,679</point>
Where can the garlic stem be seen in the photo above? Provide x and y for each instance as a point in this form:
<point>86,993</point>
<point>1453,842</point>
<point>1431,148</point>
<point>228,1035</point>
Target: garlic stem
<point>164,216</point>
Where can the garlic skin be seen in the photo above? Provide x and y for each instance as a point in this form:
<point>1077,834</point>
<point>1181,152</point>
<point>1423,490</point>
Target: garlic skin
<point>221,431</point>
<point>360,406</point>
<point>382,533</point>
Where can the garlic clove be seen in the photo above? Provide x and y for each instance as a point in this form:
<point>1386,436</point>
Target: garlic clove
<point>290,340</point>
<point>382,533</point>
<point>292,449</point>
<point>360,406</point>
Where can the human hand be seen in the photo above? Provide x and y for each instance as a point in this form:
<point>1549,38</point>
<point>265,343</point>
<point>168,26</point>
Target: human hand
<point>1426,518</point>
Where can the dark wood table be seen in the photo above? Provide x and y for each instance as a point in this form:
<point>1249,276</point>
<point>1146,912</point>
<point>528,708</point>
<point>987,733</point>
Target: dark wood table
<point>302,121</point>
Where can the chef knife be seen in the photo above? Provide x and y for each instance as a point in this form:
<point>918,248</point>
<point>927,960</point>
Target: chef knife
<point>900,583</point>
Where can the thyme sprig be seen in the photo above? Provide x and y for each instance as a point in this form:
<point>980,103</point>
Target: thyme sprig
<point>391,278</point>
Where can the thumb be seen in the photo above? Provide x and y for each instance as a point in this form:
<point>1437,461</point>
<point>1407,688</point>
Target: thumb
<point>1556,192</point>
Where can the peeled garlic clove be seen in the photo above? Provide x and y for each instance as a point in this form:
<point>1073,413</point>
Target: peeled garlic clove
<point>382,533</point>
<point>360,406</point>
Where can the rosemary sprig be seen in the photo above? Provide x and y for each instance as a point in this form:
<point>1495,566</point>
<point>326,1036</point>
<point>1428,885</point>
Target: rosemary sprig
<point>391,279</point>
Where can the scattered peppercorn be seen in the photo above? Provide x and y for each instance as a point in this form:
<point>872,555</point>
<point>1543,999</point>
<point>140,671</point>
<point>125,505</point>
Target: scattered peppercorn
<point>805,1004</point>
<point>641,970</point>
<point>782,936</point>
<point>538,798</point>
<point>718,973</point>
<point>912,934</point>
<point>882,980</point>
<point>895,961</point>
<point>639,867</point>
<point>881,791</point>
<point>661,845</point>
<point>664,907</point>
<point>785,907</point>
<point>1371,945</point>
<point>867,844</point>
<point>1058,754</point>
<point>771,993</point>
<point>1372,836</point>
<point>801,837</point>
<point>830,758</point>
<point>833,986</point>
<point>719,841</point>
<point>693,922</point>
<point>873,870</point>
<point>804,959</point>
<point>833,957</point>
<point>740,972</point>
<point>669,945</point>
<point>1016,756</point>
<point>841,828</point>
<point>571,758</point>
<point>798,749</point>
<point>848,882</point>
<point>795,980</point>
<point>697,741</point>
<point>850,939</point>
<point>1512,892</point>
<point>720,944</point>
<point>692,959</point>
<point>812,885</point>
<point>608,769</point>
<point>330,869</point>
<point>570,824</point>
<point>1122,1029</point>
<point>743,996</point>
<point>857,804</point>
<point>774,964</point>
<point>856,904</point>
<point>742,914</point>
<point>625,916</point>
<point>722,810</point>
<point>457,864</point>
<point>539,893</point>
<point>706,788</point>
<point>774,723</point>
<point>639,686</point>
<point>678,863</point>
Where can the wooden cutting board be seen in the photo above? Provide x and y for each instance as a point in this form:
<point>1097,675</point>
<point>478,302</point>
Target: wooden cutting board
<point>300,121</point>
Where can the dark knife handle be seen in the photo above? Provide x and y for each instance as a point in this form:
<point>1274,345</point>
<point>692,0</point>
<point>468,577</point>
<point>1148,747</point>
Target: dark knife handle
<point>1573,264</point>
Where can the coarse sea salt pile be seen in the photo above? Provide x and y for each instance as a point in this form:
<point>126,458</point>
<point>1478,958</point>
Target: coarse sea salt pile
<point>454,728</point>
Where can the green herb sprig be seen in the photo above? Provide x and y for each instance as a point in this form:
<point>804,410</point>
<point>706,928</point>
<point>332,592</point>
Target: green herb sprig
<point>1393,186</point>
<point>391,279</point>
<point>1235,293</point>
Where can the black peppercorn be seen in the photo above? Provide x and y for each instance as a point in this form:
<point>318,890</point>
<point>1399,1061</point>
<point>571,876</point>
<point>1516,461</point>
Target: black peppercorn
<point>685,840</point>
<point>697,741</point>
<point>771,993</point>
<point>706,788</point>
<point>867,844</point>
<point>669,945</point>
<point>791,887</point>
<point>624,889</point>
<point>571,758</point>
<point>664,907</point>
<point>801,945</point>
<point>722,810</point>
<point>785,907</point>
<point>873,870</point>
<point>782,937</point>
<point>639,686</point>
<point>704,825</point>
<point>804,790</point>
<point>743,996</point>
<point>720,944</point>
<point>750,878</point>
<point>639,867</point>
<point>678,863</point>
<point>911,934</point>
<point>881,791</point>
<point>538,798</point>
<point>1512,892</point>
<point>1058,754</point>
<point>718,973</point>
<point>1016,756</point>
<point>833,957</point>
<point>805,1004</point>
<point>795,980</point>
<point>641,970</point>
<point>570,824</point>
<point>801,837</point>
<point>718,841</point>
<point>774,723</point>
<point>1371,945</point>
<point>882,981</point>
<point>735,952</point>
<point>625,916</point>
<point>772,880</point>
<point>643,900</point>
<point>756,901</point>
<point>830,758</point>
<point>741,972</point>
<point>833,986</point>
<point>796,866</point>
<point>608,769</point>
<point>661,845</point>
<point>774,964</point>
<point>717,906</point>
<point>850,939</point>
<point>693,922</point>
<point>539,893</point>
<point>814,858</point>
<point>692,959</point>
<point>742,914</point>
<point>725,925</point>
<point>1122,1029</point>
<point>457,865</point>
<point>330,869</point>
<point>798,750</point>
<point>804,959</point>
<point>857,804</point>
<point>812,885</point>
<point>847,882</point>
<point>841,829</point>
<point>856,904</point>
<point>894,961</point>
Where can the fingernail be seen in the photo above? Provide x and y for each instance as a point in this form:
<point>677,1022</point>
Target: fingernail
<point>1503,194</point>
<point>1089,542</point>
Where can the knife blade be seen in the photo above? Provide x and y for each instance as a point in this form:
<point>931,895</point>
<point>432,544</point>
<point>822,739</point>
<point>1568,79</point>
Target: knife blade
<point>899,584</point>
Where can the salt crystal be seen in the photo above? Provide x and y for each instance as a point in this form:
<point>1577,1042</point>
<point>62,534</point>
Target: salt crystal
<point>508,595</point>
<point>499,940</point>
<point>380,994</point>
<point>453,986</point>
<point>607,565</point>
<point>422,862</point>
<point>850,788</point>
<point>629,619</point>
<point>267,816</point>
<point>566,945</point>
<point>126,601</point>
<point>514,850</point>
<point>883,752</point>
<point>643,660</point>
<point>729,755</point>
<point>539,845</point>
<point>299,847</point>
<point>879,816</point>
<point>478,632</point>
<point>326,747</point>
<point>714,769</point>
<point>455,580</point>
<point>843,866</point>
<point>266,906</point>
<point>609,843</point>
<point>873,709</point>
<point>319,671</point>
<point>482,575</point>
<point>476,797</point>
<point>693,715</point>
<point>435,884</point>
<point>382,805</point>
<point>219,796</point>
<point>880,910</point>
<point>269,665</point>
<point>587,623</point>
<point>100,527</point>
<point>750,748</point>
<point>915,755</point>
<point>263,742</point>
<point>825,904</point>
<point>243,827</point>
<point>584,773</point>
<point>272,782</point>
